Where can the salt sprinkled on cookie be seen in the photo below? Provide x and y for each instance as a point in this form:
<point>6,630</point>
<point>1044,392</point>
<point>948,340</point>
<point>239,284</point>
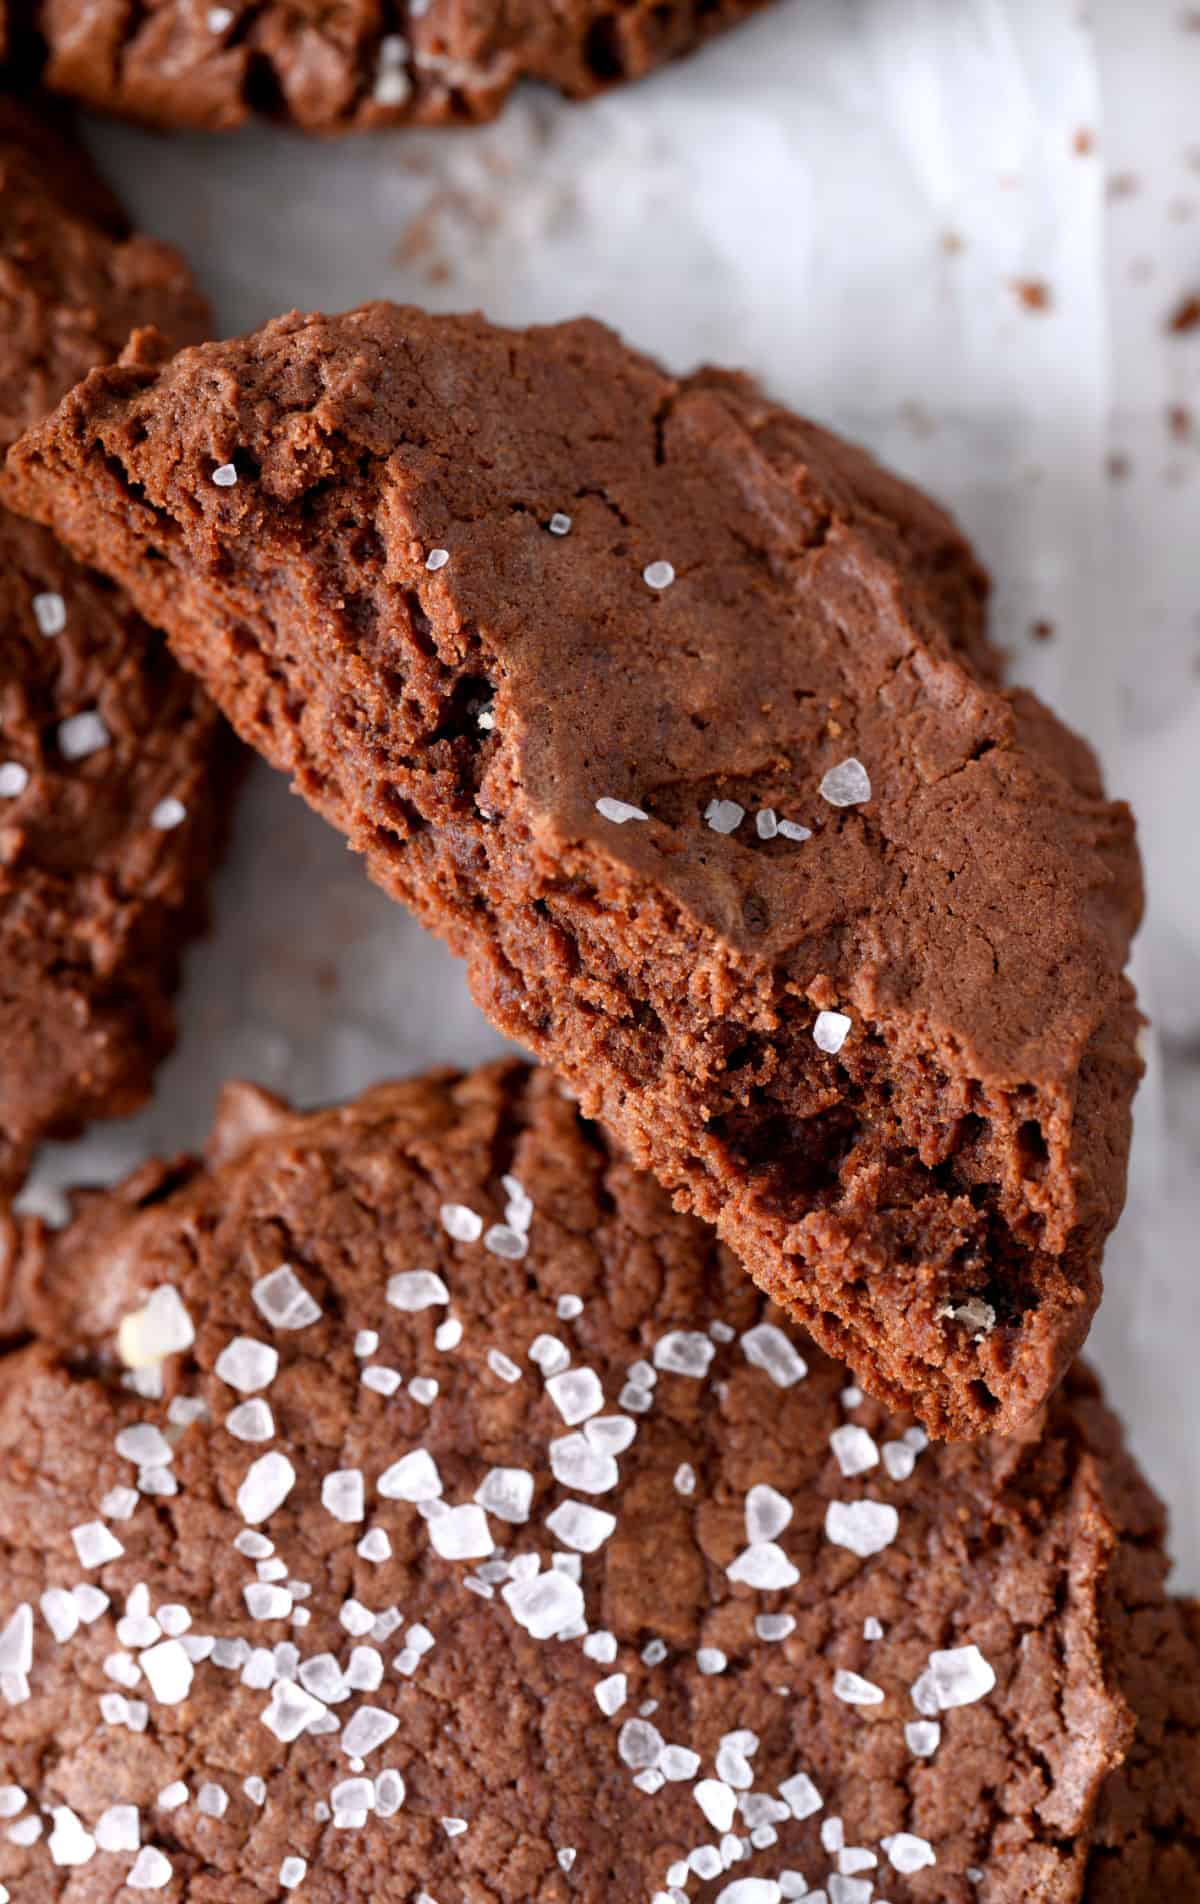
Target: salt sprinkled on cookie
<point>618,811</point>
<point>846,785</point>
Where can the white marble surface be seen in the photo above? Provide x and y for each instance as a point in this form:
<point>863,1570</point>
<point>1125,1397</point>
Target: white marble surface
<point>843,196</point>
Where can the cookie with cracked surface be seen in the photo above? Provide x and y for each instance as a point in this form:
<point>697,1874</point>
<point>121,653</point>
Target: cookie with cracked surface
<point>114,765</point>
<point>358,66</point>
<point>676,716</point>
<point>464,1471</point>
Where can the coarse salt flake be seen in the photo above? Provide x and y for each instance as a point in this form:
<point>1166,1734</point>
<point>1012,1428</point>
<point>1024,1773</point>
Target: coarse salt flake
<point>151,1870</point>
<point>461,1223</point>
<point>830,1031</point>
<point>724,816</point>
<point>168,813</point>
<point>684,1352</point>
<point>413,1478</point>
<point>437,559</point>
<point>370,1728</point>
<point>764,1566</point>
<point>267,1485</point>
<point>416,1289</point>
<point>618,811</point>
<point>283,1300</point>
<point>461,1533</point>
<point>854,1690</point>
<point>95,1544</point>
<point>846,785</point>
<point>14,778</point>
<point>865,1527</point>
<point>854,1450</point>
<point>342,1494</point>
<point>225,475</point>
<point>768,1348</point>
<point>658,575</point>
<point>960,1676</point>
<point>50,613</point>
<point>907,1853</point>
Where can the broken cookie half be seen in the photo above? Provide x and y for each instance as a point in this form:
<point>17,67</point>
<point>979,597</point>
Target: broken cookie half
<point>676,716</point>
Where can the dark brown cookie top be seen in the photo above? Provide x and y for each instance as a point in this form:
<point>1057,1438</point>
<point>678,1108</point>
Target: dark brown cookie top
<point>113,763</point>
<point>371,63</point>
<point>677,715</point>
<point>472,1527</point>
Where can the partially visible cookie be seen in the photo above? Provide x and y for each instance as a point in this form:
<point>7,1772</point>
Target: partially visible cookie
<point>114,766</point>
<point>367,64</point>
<point>415,1507</point>
<point>675,715</point>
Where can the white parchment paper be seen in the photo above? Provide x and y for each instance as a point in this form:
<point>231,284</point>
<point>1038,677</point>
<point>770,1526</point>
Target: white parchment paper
<point>895,213</point>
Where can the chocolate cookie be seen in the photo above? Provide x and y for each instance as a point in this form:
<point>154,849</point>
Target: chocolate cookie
<point>369,64</point>
<point>677,717</point>
<point>113,763</point>
<point>466,1525</point>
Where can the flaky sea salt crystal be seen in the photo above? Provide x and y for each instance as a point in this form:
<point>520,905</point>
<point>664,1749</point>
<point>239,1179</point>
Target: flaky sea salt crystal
<point>169,1672</point>
<point>461,1534</point>
<point>374,1546</point>
<point>415,1289</point>
<point>50,613</point>
<point>246,1364</point>
<point>212,1800</point>
<point>763,1566</point>
<point>69,1844</point>
<point>291,1711</point>
<point>559,524</point>
<point>151,1870</point>
<point>267,1485</point>
<point>865,1527</point>
<point>854,1450</point>
<point>95,1545</point>
<point>370,1728</point>
<point>503,1366</point>
<point>549,1354</point>
<point>907,1853</point>
<point>251,1421</point>
<point>600,1646</point>
<point>60,1613</point>
<point>711,1660</point>
<point>413,1478</point>
<point>168,813</point>
<point>618,811</point>
<point>724,816</point>
<point>576,1393</point>
<point>507,1493</point>
<point>576,1464</point>
<point>898,1459</point>
<point>684,1352</point>
<point>717,1801</point>
<point>342,1494</point>
<point>801,1796</point>
<point>854,1690</point>
<point>960,1676</point>
<point>82,734</point>
<point>390,1793</point>
<point>545,1605</point>
<point>767,1513</point>
<point>461,1223</point>
<point>769,1349</point>
<point>14,778</point>
<point>922,1737</point>
<point>284,1301</point>
<point>118,1829</point>
<point>503,1240</point>
<point>658,575</point>
<point>830,1031</point>
<point>437,559</point>
<point>292,1873</point>
<point>846,785</point>
<point>685,1478</point>
<point>611,1693</point>
<point>382,1381</point>
<point>774,1626</point>
<point>581,1527</point>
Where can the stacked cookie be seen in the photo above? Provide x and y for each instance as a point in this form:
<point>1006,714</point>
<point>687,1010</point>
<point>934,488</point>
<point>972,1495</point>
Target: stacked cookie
<point>418,1499</point>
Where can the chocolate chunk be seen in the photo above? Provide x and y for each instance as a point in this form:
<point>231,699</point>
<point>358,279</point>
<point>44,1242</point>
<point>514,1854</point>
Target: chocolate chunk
<point>717,791</point>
